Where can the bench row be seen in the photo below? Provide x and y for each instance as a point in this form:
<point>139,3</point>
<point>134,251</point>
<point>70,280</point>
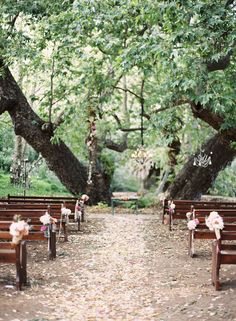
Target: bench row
<point>198,211</point>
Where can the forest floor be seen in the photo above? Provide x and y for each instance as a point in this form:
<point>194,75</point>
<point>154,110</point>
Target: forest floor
<point>123,267</point>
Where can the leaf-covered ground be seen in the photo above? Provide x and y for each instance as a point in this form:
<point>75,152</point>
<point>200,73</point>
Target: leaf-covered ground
<point>123,267</point>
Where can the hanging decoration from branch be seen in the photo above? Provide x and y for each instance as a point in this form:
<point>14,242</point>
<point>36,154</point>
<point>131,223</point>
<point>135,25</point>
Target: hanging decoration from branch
<point>142,156</point>
<point>202,160</point>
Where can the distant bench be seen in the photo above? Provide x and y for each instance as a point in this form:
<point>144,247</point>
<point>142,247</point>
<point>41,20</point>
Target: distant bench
<point>121,197</point>
<point>38,199</point>
<point>184,206</point>
<point>15,255</point>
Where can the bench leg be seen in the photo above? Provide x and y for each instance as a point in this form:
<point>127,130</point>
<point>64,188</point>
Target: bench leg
<point>52,245</point>
<point>24,262</point>
<point>65,231</point>
<point>136,207</point>
<point>191,244</point>
<point>216,266</point>
<point>82,215</point>
<point>112,207</point>
<point>78,222</point>
<point>18,268</point>
<point>170,221</point>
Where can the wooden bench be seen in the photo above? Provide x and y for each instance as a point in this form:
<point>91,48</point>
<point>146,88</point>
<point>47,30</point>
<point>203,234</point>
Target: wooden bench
<point>38,199</point>
<point>32,216</point>
<point>15,255</point>
<point>52,201</point>
<point>121,197</point>
<point>222,254</point>
<point>184,206</point>
<point>53,209</point>
<point>34,235</point>
<point>202,232</point>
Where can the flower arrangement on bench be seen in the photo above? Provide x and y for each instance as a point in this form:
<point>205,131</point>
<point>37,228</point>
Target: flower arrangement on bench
<point>171,206</point>
<point>215,223</point>
<point>79,207</point>
<point>18,229</point>
<point>65,213</point>
<point>46,220</point>
<point>192,224</point>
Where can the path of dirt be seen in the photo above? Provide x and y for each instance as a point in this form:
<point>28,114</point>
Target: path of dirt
<point>123,267</point>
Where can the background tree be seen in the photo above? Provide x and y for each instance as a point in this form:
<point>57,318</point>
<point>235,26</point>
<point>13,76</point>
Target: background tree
<point>184,51</point>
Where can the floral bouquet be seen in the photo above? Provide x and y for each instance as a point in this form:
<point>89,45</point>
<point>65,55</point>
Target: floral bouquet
<point>215,223</point>
<point>65,212</point>
<point>84,198</point>
<point>79,206</point>
<point>46,220</point>
<point>78,210</point>
<point>171,206</point>
<point>18,229</point>
<point>192,224</point>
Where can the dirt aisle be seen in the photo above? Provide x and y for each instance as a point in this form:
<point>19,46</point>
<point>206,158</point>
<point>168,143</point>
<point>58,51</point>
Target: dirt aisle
<point>123,268</point>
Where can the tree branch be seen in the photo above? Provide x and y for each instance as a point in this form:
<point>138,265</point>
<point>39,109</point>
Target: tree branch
<point>128,90</point>
<point>221,64</point>
<point>126,129</point>
<point>51,90</point>
<point>212,119</point>
<point>118,147</point>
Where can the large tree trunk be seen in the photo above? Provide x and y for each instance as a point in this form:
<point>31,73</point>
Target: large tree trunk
<point>98,181</point>
<point>17,161</point>
<point>32,128</point>
<point>193,181</point>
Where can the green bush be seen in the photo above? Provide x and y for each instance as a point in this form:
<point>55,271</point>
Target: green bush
<point>225,183</point>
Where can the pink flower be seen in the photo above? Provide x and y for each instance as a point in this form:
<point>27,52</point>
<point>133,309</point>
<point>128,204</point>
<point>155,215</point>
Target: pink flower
<point>192,224</point>
<point>43,228</point>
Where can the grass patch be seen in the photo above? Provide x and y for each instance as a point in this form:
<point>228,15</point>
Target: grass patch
<point>38,186</point>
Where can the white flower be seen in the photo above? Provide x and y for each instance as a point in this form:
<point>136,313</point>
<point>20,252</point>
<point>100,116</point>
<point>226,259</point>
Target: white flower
<point>188,215</point>
<point>65,211</point>
<point>84,198</point>
<point>214,221</point>
<point>13,229</point>
<point>218,223</point>
<point>19,228</point>
<point>45,219</point>
<point>213,215</point>
<point>172,206</point>
<point>192,224</point>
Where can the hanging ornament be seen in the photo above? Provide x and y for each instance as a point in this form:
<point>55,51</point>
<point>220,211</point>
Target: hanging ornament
<point>142,163</point>
<point>202,160</point>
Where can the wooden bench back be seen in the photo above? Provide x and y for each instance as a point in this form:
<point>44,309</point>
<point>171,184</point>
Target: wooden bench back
<point>15,255</point>
<point>184,206</point>
<point>56,206</point>
<point>39,199</point>
<point>34,235</point>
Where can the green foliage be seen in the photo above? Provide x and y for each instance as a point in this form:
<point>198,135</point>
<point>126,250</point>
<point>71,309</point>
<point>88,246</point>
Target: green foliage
<point>6,144</point>
<point>108,164</point>
<point>124,181</point>
<point>101,205</point>
<point>225,183</point>
<point>38,187</point>
<point>147,200</point>
<point>83,49</point>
